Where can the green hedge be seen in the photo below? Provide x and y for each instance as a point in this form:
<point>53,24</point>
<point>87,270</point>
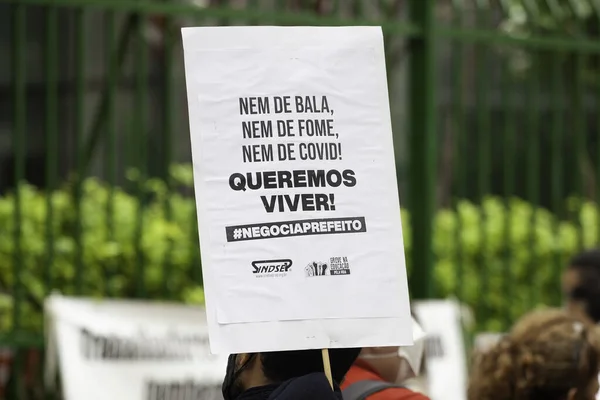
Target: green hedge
<point>504,257</point>
<point>120,241</point>
<point>146,245</point>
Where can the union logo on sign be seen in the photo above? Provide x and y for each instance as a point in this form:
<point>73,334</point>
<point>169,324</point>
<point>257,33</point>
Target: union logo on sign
<point>271,268</point>
<point>317,269</point>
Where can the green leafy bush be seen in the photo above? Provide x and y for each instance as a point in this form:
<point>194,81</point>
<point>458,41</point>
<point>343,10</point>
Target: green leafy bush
<point>146,245</point>
<point>129,246</point>
<point>504,258</point>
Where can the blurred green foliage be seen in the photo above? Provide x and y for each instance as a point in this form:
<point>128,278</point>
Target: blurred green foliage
<point>576,19</point>
<point>122,238</point>
<point>500,258</point>
<point>506,256</point>
<point>568,18</point>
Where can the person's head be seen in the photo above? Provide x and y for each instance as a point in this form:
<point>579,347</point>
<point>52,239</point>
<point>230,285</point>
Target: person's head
<point>245,371</point>
<point>581,284</point>
<point>548,355</point>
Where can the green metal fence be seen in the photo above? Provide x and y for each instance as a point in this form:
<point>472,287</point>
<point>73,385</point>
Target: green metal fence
<point>495,111</point>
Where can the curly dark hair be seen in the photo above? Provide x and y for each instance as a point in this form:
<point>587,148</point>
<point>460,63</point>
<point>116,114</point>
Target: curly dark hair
<point>546,355</point>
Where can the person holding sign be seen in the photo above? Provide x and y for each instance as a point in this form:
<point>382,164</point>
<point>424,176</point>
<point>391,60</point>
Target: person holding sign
<point>297,203</point>
<point>285,375</point>
<point>581,286</point>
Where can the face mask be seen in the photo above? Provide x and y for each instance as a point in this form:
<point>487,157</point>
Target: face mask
<point>413,355</point>
<point>410,357</point>
<point>405,370</point>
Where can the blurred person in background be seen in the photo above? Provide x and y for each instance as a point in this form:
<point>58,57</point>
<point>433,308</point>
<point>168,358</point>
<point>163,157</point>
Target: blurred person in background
<point>286,375</point>
<point>581,285</point>
<point>548,355</point>
<point>380,373</point>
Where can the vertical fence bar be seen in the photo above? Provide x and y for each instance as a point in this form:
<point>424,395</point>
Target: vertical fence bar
<point>98,126</point>
<point>336,7</point>
<point>461,142</point>
<point>596,57</point>
<point>168,137</point>
<point>532,177</point>
<point>252,5</point>
<point>533,167</point>
<point>51,67</point>
<point>509,101</point>
<point>222,21</point>
<point>557,148</point>
<point>483,71</point>
<point>357,8</point>
<point>79,107</point>
<point>19,133</point>
<point>578,103</point>
<point>422,143</point>
<point>109,143</point>
<point>141,96</point>
<point>595,61</point>
<point>196,261</point>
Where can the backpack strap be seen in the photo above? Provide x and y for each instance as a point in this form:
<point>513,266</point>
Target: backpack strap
<point>362,389</point>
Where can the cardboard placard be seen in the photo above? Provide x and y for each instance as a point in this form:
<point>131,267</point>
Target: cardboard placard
<point>296,189</point>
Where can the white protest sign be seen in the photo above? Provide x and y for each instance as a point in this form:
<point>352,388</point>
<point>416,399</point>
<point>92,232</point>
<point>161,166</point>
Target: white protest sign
<point>445,349</point>
<point>296,188</point>
<point>131,351</point>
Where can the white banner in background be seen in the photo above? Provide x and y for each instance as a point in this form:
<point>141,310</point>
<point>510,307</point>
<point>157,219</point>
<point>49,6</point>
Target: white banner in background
<point>445,348</point>
<point>122,350</point>
<point>296,188</point>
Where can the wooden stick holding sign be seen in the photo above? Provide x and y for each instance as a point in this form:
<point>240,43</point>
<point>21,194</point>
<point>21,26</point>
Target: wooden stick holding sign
<point>327,366</point>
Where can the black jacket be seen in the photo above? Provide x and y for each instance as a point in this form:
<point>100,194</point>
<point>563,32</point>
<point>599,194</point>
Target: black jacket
<point>309,387</point>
